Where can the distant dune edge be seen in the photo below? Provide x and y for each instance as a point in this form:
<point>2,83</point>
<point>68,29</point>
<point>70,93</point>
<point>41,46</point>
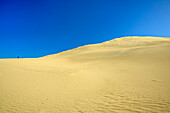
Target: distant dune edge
<point>123,75</point>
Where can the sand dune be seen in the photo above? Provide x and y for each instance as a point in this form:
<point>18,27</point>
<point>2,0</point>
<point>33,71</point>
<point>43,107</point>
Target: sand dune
<point>129,74</point>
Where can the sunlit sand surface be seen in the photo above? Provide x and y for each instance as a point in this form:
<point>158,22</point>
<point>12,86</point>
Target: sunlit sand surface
<point>129,74</point>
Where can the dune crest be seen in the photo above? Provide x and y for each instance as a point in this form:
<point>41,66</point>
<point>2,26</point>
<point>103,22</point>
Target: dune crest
<point>117,43</point>
<point>126,75</point>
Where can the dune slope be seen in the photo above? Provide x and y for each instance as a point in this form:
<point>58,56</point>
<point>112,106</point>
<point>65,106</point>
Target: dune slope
<point>129,74</point>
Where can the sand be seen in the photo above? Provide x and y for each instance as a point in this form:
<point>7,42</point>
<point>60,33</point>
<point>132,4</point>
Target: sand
<point>123,75</point>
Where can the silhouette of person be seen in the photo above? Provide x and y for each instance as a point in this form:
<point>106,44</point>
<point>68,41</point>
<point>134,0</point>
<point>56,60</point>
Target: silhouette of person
<point>17,56</point>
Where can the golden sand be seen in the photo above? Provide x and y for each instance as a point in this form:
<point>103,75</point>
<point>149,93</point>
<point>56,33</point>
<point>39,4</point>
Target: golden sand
<point>129,74</point>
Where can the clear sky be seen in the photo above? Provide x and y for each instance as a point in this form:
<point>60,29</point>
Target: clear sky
<point>34,28</point>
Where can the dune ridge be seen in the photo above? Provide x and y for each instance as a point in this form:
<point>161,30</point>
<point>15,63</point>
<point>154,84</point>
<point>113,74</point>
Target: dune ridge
<point>123,75</point>
<point>118,40</point>
<point>118,43</point>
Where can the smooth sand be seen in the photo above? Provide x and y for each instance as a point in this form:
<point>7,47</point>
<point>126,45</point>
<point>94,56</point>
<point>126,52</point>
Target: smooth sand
<point>129,74</point>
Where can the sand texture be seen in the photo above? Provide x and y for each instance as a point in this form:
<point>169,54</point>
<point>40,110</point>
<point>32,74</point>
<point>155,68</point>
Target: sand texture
<point>123,75</point>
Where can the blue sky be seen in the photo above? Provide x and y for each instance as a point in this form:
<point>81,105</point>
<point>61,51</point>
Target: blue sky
<point>35,28</point>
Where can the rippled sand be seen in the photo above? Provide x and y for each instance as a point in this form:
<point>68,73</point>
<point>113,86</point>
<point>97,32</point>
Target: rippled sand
<point>130,74</point>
